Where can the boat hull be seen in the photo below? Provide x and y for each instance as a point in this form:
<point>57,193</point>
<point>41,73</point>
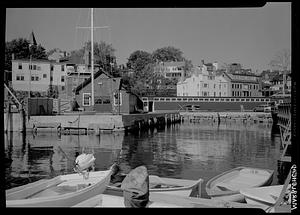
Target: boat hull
<point>227,185</point>
<point>37,197</point>
<point>182,187</point>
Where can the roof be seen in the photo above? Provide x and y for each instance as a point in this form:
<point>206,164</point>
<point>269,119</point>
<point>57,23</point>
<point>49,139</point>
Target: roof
<point>233,79</point>
<point>96,75</point>
<point>36,60</point>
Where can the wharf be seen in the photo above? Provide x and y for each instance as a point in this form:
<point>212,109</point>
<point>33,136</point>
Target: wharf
<point>255,117</point>
<point>90,122</point>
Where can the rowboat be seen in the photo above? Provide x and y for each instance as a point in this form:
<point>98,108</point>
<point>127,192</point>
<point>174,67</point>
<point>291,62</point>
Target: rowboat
<point>180,187</point>
<point>262,195</point>
<point>227,185</point>
<point>61,191</point>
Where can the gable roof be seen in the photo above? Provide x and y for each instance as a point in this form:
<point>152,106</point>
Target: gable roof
<point>87,81</point>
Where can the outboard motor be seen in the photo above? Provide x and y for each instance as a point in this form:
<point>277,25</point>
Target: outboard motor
<point>84,163</point>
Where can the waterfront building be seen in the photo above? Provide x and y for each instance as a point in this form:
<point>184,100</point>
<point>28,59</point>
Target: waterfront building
<point>243,83</point>
<point>37,75</point>
<point>110,95</point>
<point>204,83</point>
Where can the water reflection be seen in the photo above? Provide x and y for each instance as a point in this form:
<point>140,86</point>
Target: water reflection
<point>188,150</point>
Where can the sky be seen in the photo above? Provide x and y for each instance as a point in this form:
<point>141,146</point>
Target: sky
<point>250,36</point>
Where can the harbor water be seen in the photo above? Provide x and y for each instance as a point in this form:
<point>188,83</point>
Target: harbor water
<point>184,151</point>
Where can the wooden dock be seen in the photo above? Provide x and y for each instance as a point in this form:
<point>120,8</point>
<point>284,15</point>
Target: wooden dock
<point>252,117</point>
<point>86,123</point>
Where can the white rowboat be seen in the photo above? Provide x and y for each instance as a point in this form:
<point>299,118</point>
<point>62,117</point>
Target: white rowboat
<point>172,186</point>
<point>61,191</point>
<point>227,185</point>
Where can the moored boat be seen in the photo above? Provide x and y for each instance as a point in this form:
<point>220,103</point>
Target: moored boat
<point>227,185</point>
<point>180,187</point>
<point>61,191</point>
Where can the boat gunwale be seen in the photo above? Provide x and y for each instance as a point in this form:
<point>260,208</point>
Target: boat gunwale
<point>211,192</point>
<point>25,201</point>
<point>195,183</point>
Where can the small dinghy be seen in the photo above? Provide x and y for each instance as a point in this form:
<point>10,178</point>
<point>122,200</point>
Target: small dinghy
<point>276,198</point>
<point>227,185</point>
<point>180,187</point>
<point>61,191</point>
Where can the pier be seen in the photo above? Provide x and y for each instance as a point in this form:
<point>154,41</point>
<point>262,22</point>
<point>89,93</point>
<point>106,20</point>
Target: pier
<point>251,117</point>
<point>83,123</point>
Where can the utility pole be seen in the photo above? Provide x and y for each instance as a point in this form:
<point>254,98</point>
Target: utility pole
<point>92,51</point>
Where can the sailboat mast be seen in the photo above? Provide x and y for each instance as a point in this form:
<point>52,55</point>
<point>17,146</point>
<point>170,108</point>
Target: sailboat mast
<point>92,53</point>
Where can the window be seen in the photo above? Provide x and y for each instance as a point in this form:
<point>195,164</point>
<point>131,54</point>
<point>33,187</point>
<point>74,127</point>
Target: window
<point>62,88</point>
<point>20,66</point>
<point>22,78</point>
<point>32,78</point>
<point>232,86</point>
<point>34,67</point>
<point>205,85</point>
<point>36,78</point>
<point>86,99</point>
<point>38,68</point>
<point>51,78</point>
<point>51,67</point>
<point>117,98</point>
<point>62,78</point>
<point>44,75</point>
<point>18,78</point>
<point>62,68</point>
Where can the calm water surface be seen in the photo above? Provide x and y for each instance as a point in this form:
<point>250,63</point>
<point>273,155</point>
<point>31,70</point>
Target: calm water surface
<point>187,150</point>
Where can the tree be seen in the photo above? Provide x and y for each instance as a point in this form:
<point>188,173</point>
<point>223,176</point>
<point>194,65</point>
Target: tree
<point>138,60</point>
<point>20,49</point>
<point>167,54</point>
<point>101,51</point>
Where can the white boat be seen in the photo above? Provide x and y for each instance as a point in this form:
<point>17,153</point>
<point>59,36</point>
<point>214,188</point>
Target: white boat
<point>61,191</point>
<point>266,195</point>
<point>276,198</point>
<point>180,187</point>
<point>227,185</point>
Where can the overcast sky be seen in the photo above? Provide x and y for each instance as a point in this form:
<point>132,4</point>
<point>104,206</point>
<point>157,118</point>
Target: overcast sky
<point>250,36</point>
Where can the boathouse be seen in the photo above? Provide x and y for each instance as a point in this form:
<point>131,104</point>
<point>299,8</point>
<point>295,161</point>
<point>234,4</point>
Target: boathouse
<point>109,95</point>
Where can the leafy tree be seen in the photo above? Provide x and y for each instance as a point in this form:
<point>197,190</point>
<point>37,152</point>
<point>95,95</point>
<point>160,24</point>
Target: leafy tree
<point>38,52</point>
<point>167,54</point>
<point>138,60</point>
<point>103,53</point>
<point>20,49</point>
